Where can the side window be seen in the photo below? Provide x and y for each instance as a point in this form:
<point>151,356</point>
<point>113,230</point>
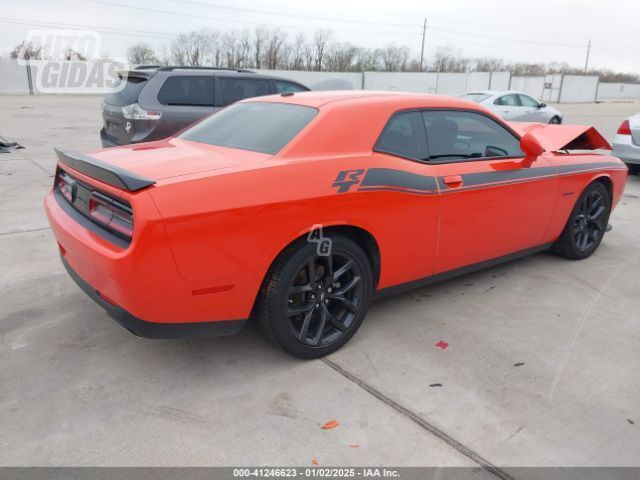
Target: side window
<point>458,135</point>
<point>527,101</point>
<point>403,136</point>
<point>234,89</point>
<point>507,100</point>
<point>185,90</point>
<point>284,87</point>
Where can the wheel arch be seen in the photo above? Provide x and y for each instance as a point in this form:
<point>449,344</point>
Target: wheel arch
<point>361,236</point>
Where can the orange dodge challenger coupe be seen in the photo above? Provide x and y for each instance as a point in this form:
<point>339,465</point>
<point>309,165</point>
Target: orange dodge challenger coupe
<point>220,223</point>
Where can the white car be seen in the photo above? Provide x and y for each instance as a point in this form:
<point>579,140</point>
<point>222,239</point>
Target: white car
<point>626,145</point>
<point>515,106</point>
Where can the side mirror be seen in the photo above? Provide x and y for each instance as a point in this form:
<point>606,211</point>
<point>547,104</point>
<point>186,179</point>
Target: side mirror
<point>542,105</point>
<point>532,149</point>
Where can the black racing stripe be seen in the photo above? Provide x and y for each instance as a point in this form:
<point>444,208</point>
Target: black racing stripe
<point>499,176</point>
<point>398,179</point>
<point>515,176</point>
<point>588,166</point>
<point>387,179</point>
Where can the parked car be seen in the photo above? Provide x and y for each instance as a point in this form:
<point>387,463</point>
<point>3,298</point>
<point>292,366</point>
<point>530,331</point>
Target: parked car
<point>626,145</point>
<point>515,106</point>
<point>157,102</point>
<point>298,209</point>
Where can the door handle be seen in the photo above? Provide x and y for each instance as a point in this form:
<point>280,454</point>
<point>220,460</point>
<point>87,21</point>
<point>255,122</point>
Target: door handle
<point>452,181</point>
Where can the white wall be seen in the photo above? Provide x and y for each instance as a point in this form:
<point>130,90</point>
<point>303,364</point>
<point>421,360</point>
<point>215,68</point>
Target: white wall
<point>553,84</point>
<point>579,88</point>
<point>13,78</point>
<point>500,81</point>
<point>418,82</point>
<point>309,78</point>
<point>618,90</point>
<point>533,86</point>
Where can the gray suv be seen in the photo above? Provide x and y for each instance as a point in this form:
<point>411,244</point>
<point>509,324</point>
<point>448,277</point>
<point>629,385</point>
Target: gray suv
<point>157,102</point>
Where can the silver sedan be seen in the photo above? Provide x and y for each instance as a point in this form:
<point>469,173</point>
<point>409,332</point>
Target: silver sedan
<point>626,145</point>
<point>515,106</point>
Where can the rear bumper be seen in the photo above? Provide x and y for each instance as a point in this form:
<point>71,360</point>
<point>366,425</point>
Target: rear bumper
<point>625,149</point>
<point>107,140</point>
<point>146,329</point>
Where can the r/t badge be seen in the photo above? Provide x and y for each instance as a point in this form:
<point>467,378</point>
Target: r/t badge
<point>347,178</point>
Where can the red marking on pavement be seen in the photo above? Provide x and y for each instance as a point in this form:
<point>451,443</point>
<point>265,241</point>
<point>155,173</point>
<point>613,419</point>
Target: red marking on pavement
<point>442,344</point>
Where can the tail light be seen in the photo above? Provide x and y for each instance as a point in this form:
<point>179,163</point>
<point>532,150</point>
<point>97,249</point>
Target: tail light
<point>65,185</point>
<point>111,214</point>
<point>625,128</point>
<point>136,112</point>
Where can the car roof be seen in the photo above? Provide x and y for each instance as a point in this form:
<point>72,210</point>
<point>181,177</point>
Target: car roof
<point>495,93</point>
<point>397,100</point>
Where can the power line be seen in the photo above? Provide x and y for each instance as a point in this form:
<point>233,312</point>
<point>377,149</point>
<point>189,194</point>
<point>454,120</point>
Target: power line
<point>291,15</point>
<point>104,29</point>
<point>260,24</point>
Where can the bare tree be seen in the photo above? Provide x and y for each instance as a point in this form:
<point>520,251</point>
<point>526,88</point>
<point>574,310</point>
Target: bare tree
<point>296,58</point>
<point>273,49</point>
<point>341,57</point>
<point>142,54</point>
<point>395,58</point>
<point>449,59</point>
<point>320,39</point>
<point>26,51</point>
<point>259,39</point>
<point>488,64</point>
<point>191,49</point>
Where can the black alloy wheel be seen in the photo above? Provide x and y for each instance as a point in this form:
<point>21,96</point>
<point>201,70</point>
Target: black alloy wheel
<point>313,304</point>
<point>587,223</point>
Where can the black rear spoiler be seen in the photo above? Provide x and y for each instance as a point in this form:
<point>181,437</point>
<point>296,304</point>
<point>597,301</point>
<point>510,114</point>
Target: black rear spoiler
<point>102,171</point>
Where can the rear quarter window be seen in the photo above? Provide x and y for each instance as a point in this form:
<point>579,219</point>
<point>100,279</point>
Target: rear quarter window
<point>255,126</point>
<point>234,89</point>
<point>187,90</point>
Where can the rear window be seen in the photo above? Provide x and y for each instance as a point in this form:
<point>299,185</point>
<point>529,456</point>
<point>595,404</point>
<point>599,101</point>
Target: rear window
<point>476,97</point>
<point>186,90</point>
<point>132,88</point>
<point>256,126</point>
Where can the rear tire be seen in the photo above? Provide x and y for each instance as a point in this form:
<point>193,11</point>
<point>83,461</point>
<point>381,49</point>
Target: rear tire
<point>634,168</point>
<point>586,225</point>
<point>312,305</point>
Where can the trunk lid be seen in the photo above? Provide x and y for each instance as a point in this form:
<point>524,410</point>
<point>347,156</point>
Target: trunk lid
<point>563,137</point>
<point>175,157</point>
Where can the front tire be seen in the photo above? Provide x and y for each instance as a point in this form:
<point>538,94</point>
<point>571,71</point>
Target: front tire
<point>586,225</point>
<point>555,121</point>
<point>311,304</point>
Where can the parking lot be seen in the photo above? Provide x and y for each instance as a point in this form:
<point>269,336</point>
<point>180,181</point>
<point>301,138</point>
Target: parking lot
<point>541,367</point>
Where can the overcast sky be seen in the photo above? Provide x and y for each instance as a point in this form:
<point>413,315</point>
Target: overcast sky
<point>533,31</point>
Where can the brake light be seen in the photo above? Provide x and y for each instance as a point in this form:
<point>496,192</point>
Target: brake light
<point>136,112</point>
<point>625,128</point>
<point>111,214</point>
<point>65,185</point>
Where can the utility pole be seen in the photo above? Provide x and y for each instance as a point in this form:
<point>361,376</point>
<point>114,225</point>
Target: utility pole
<point>424,34</point>
<point>586,63</point>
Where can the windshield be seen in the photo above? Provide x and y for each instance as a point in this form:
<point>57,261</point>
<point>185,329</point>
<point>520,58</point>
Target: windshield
<point>476,97</point>
<point>256,126</point>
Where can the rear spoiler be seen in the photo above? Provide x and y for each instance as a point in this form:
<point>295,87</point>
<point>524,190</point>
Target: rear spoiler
<point>105,172</point>
<point>563,137</point>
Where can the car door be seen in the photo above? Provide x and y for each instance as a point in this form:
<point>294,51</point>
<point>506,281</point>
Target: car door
<point>410,201</point>
<point>491,205</point>
<point>531,111</point>
<point>507,106</point>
